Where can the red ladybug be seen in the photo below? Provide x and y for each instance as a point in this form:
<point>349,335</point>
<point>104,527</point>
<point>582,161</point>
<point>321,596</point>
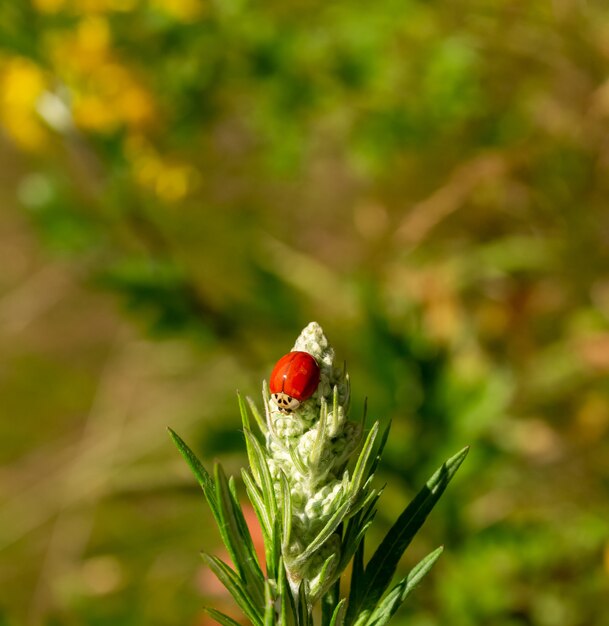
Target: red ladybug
<point>294,379</point>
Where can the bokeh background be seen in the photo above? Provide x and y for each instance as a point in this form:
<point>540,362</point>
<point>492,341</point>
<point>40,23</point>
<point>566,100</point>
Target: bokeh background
<point>184,184</point>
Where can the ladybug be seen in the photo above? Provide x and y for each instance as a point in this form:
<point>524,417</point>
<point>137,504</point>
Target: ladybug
<point>294,379</point>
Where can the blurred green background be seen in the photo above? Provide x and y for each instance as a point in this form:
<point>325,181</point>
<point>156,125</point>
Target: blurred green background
<point>185,184</point>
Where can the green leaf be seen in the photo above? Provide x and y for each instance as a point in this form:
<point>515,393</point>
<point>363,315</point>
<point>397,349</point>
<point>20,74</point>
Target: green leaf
<point>229,517</point>
<point>203,478</point>
<point>267,510</point>
<point>257,501</point>
<point>269,605</point>
<point>304,613</point>
<point>254,409</point>
<point>325,578</point>
<point>394,599</point>
<point>266,524</point>
<point>357,526</point>
<point>318,444</point>
<point>329,601</point>
<point>381,567</point>
<point>300,466</point>
<point>244,531</point>
<point>286,506</point>
<point>379,451</point>
<point>235,587</point>
<point>355,532</point>
<point>254,464</point>
<point>360,473</point>
<point>287,610</point>
<point>236,541</point>
<point>245,420</point>
<point>335,404</point>
<point>339,613</point>
<point>274,550</point>
<point>357,573</point>
<point>367,498</point>
<point>266,481</point>
<point>251,456</point>
<point>221,618</point>
<point>354,544</point>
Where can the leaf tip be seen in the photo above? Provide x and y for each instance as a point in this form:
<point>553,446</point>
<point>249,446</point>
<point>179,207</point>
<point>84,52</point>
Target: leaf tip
<point>205,556</point>
<point>174,436</point>
<point>458,458</point>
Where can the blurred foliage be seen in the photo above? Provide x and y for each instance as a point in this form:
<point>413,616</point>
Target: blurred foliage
<point>428,180</point>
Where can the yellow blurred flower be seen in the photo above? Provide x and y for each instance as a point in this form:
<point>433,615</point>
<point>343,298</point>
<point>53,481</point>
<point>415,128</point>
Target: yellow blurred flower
<point>92,113</point>
<point>22,83</point>
<point>84,48</point>
<point>112,98</point>
<point>173,183</point>
<point>106,94</point>
<point>169,180</point>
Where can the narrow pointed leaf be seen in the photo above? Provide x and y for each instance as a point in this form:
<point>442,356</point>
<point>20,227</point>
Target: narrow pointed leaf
<point>245,420</point>
<point>379,451</point>
<point>257,416</point>
<point>251,455</point>
<point>283,591</point>
<point>357,527</point>
<point>235,587</point>
<point>244,532</point>
<point>269,605</point>
<point>367,498</point>
<point>255,497</point>
<point>245,562</point>
<point>364,412</point>
<point>318,444</point>
<point>201,474</point>
<point>304,615</point>
<point>339,613</point>
<point>335,401</point>
<point>287,511</point>
<point>276,555</point>
<point>298,462</point>
<point>357,574</point>
<point>221,618</point>
<point>266,482</point>
<point>328,603</point>
<point>359,473</point>
<point>394,599</point>
<point>267,408</point>
<point>353,547</point>
<point>324,580</point>
<point>253,493</point>
<point>381,567</point>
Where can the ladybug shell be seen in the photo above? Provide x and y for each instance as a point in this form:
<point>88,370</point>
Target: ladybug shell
<point>296,374</point>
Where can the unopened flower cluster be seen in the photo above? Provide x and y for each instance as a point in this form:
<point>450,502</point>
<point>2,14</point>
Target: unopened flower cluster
<point>311,447</point>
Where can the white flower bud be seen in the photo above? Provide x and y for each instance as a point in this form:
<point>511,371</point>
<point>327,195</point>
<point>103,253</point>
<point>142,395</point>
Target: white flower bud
<point>311,446</point>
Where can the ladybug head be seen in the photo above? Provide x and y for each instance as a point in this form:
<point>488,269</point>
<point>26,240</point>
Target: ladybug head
<point>286,404</point>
